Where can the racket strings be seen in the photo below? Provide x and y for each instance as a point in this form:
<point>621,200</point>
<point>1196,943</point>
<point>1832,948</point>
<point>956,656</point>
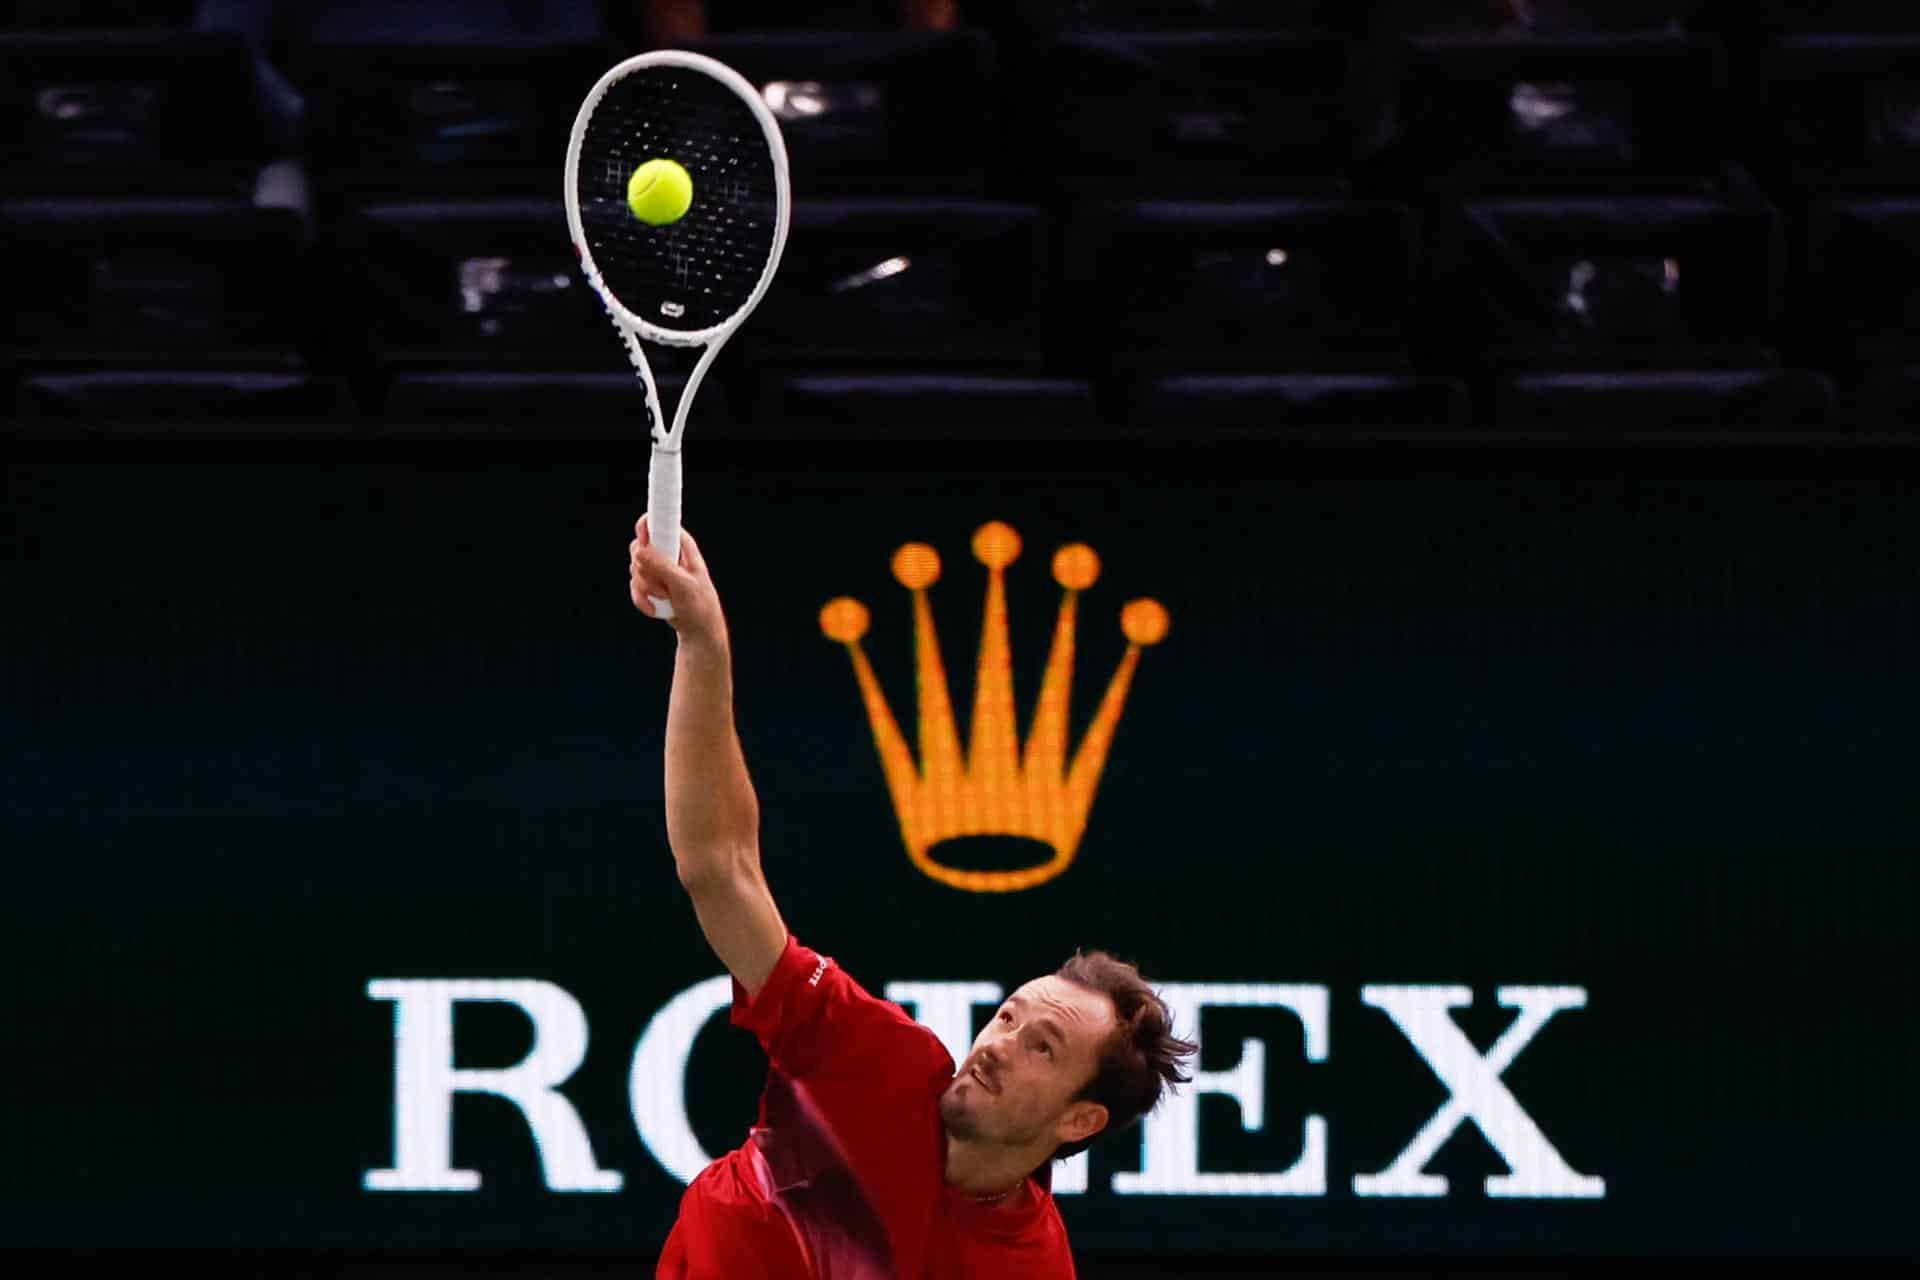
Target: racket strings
<point>700,271</point>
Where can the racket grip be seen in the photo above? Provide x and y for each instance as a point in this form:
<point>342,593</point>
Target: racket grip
<point>663,513</point>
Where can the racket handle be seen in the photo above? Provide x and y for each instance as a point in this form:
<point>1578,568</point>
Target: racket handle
<point>663,513</point>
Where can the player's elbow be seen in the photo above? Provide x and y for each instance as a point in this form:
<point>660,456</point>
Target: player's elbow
<point>699,870</point>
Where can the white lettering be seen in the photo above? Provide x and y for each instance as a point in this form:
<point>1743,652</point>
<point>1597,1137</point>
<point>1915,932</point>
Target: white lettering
<point>1476,1093</point>
<point>657,1081</point>
<point>425,1080</point>
<point>1170,1161</point>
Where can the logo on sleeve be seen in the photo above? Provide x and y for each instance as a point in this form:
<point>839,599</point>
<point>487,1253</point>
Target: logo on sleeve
<point>818,970</point>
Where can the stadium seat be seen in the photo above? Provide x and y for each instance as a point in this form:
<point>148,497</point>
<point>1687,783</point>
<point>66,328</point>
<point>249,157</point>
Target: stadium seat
<point>920,282</point>
<point>479,116</point>
<point>153,312</point>
<point>1537,17</point>
<point>95,15</point>
<point>1842,111</point>
<point>182,282</point>
<point>1863,262</point>
<point>1256,404</point>
<point>182,402</point>
<point>1313,285</point>
<point>874,112</point>
<point>440,304</point>
<point>1618,402</point>
<point>149,112</point>
<point>1828,15</point>
<point>1183,114</point>
<point>1490,115</point>
<point>759,16</point>
<point>467,282</point>
<point>1887,400</point>
<point>1593,283</point>
<point>563,404</point>
<point>1169,15</point>
<point>896,405</point>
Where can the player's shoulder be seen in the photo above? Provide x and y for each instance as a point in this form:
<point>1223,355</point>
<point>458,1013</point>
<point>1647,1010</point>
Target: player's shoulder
<point>862,1011</point>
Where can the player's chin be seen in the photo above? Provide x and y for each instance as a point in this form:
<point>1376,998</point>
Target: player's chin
<point>959,1118</point>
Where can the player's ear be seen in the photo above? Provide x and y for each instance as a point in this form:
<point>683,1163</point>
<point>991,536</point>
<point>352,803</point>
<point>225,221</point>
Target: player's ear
<point>1080,1120</point>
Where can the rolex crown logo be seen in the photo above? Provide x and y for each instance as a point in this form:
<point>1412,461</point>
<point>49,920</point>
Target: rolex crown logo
<point>996,788</point>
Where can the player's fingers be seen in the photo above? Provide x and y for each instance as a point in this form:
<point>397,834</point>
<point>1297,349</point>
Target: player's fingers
<point>644,529</point>
<point>690,558</point>
<point>648,567</point>
<point>690,553</point>
<point>644,590</point>
<point>659,570</point>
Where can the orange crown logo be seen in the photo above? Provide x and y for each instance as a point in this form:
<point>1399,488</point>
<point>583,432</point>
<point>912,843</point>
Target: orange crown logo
<point>996,789</point>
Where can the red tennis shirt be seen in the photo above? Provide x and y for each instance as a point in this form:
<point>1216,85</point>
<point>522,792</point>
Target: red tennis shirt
<point>843,1178</point>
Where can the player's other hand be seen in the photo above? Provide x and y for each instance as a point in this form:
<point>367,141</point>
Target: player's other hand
<point>696,605</point>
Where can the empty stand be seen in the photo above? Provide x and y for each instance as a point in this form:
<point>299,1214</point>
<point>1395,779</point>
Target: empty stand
<point>1253,405</point>
<point>474,281</point>
<point>1184,114</point>
<point>117,112</point>
<point>487,115</point>
<point>1863,263</point>
<point>1319,284</point>
<point>1243,215</point>
<point>885,404</point>
<point>1842,110</point>
<point>875,112</point>
<point>184,402</point>
<point>925,281</point>
<point>1666,400</point>
<point>1629,113</point>
<point>1598,283</point>
<point>475,310</point>
<point>148,308</point>
<point>182,279</point>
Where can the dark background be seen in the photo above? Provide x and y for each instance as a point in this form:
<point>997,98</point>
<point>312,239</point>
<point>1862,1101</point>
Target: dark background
<point>1633,720</point>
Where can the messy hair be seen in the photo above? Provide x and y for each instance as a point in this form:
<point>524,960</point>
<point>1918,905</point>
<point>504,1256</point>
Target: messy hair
<point>1140,1059</point>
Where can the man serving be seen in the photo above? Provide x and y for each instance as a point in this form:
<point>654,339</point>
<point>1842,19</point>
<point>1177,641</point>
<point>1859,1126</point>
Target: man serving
<point>874,1158</point>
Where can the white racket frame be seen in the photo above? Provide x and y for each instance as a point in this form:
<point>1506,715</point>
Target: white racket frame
<point>664,470</point>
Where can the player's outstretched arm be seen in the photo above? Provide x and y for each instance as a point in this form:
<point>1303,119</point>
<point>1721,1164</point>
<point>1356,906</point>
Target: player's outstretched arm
<point>713,818</point>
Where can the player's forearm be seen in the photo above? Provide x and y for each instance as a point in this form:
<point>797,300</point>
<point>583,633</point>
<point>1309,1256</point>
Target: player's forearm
<point>713,818</point>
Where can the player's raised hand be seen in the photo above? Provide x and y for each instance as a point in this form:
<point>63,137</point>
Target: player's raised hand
<point>686,585</point>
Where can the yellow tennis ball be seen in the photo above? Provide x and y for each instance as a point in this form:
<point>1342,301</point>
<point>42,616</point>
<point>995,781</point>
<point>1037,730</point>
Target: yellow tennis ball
<point>659,192</point>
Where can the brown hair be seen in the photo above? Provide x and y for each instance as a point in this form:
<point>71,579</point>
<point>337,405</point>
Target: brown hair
<point>1140,1059</point>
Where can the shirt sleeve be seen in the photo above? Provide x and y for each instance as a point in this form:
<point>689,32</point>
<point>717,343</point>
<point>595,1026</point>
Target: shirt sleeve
<point>815,1021</point>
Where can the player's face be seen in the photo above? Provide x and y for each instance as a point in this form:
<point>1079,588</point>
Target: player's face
<point>1040,1048</point>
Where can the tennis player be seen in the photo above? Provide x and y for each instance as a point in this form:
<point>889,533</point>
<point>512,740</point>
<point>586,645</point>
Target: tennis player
<point>874,1157</point>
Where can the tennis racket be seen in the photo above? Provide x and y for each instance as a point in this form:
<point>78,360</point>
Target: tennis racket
<point>692,282</point>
